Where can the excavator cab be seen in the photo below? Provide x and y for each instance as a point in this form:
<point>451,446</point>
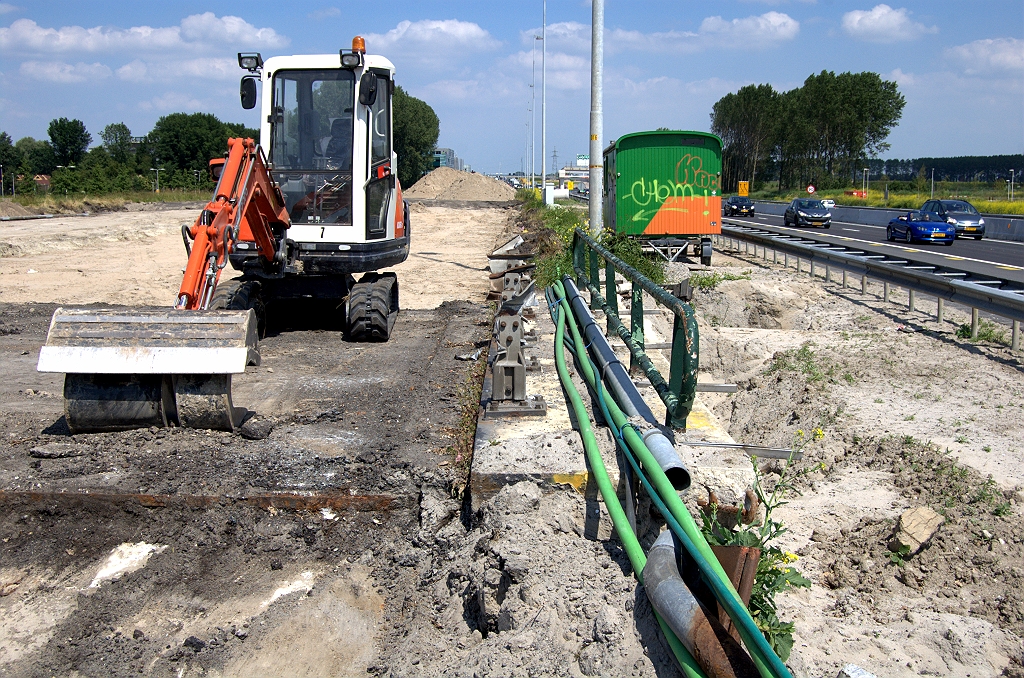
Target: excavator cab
<point>298,214</point>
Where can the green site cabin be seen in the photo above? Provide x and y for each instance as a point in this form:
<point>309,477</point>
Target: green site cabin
<point>664,183</point>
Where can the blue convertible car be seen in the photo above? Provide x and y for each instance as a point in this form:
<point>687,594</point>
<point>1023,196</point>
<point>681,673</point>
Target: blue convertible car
<point>922,226</point>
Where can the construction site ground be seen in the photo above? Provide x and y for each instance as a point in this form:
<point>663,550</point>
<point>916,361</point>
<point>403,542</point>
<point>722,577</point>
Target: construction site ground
<point>328,543</point>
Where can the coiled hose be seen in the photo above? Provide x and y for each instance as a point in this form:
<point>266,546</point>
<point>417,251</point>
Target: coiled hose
<point>630,544</point>
<point>667,500</point>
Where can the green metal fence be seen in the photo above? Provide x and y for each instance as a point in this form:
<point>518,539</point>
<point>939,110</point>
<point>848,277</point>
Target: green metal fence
<point>679,392</point>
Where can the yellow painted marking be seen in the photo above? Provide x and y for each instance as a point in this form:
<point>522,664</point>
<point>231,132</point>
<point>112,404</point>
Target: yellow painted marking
<point>577,480</point>
<point>955,258</point>
<point>1009,268</point>
<point>699,420</point>
<point>877,244</point>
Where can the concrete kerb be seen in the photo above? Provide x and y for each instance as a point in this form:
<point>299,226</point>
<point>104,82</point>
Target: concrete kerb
<point>997,226</point>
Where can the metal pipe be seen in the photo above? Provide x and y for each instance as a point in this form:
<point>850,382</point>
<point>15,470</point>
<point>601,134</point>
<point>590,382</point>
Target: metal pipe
<point>1015,336</point>
<point>885,292</point>
<point>974,323</point>
<point>715,650</point>
<point>910,302</point>
<point>940,311</point>
<point>544,106</point>
<point>616,375</point>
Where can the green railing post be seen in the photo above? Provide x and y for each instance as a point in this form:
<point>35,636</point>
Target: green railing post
<point>595,274</point>
<point>636,323</point>
<point>610,294</point>
<point>684,361</point>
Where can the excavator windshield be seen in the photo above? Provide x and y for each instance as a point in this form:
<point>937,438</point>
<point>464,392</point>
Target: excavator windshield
<point>311,143</point>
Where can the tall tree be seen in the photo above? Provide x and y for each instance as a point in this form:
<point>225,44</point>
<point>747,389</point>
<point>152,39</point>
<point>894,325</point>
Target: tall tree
<point>36,156</point>
<point>416,132</point>
<point>746,122</point>
<point>188,140</point>
<point>10,158</point>
<point>69,139</point>
<point>117,139</point>
<point>239,130</point>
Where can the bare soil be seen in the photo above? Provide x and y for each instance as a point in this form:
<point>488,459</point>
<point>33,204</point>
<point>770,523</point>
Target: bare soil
<point>327,542</point>
<point>899,413</point>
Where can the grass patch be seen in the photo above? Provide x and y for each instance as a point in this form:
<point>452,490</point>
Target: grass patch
<point>803,360</point>
<point>558,223</point>
<point>987,331</point>
<point>705,281</point>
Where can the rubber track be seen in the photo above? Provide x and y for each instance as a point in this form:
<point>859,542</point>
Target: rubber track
<point>241,295</point>
<point>372,307</point>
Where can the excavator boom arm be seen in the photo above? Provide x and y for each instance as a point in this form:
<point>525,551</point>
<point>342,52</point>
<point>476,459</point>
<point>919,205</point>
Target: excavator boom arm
<point>247,205</point>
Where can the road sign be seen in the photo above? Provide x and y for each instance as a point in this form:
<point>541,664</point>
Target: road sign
<point>810,189</point>
<point>569,185</point>
<point>744,189</point>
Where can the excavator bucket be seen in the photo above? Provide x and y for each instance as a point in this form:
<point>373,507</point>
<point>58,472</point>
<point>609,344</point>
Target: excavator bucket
<point>132,368</point>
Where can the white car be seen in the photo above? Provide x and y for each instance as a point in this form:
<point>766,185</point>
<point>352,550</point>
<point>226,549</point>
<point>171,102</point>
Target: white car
<point>829,203</point>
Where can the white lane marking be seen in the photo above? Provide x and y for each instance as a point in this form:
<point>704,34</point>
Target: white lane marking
<point>852,230</point>
<point>997,264</point>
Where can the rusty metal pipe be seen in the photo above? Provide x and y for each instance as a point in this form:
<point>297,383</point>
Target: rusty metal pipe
<point>715,650</point>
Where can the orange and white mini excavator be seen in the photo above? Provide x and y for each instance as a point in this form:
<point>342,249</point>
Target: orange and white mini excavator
<point>322,205</point>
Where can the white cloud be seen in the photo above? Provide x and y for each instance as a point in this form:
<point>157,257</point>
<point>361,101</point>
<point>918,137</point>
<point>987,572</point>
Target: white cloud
<point>671,42</point>
<point>172,102</point>
<point>442,38</point>
<point>884,24</point>
<point>57,71</point>
<point>199,31</point>
<point>986,56</point>
<point>771,27</point>
<point>567,36</point>
<point>902,79</point>
<point>6,8</point>
<point>325,13</point>
<point>136,71</point>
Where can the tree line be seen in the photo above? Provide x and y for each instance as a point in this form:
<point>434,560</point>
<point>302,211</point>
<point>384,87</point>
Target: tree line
<point>819,133</point>
<point>180,145</point>
<point>985,168</point>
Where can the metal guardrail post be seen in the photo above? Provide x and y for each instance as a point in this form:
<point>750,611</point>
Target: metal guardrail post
<point>636,323</point>
<point>940,311</point>
<point>910,301</point>
<point>594,273</point>
<point>611,294</point>
<point>885,292</point>
<point>974,323</point>
<point>844,278</point>
<point>863,284</point>
<point>678,371</point>
<point>1015,336</point>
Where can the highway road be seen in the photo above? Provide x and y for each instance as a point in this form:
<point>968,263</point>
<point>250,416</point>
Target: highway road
<point>997,258</point>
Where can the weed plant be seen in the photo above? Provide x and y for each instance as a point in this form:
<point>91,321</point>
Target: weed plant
<point>987,331</point>
<point>706,281</point>
<point>774,570</point>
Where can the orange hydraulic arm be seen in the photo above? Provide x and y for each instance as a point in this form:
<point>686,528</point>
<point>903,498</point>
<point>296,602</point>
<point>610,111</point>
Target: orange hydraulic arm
<point>247,205</point>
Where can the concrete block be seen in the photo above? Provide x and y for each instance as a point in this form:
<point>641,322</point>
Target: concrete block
<point>914,528</point>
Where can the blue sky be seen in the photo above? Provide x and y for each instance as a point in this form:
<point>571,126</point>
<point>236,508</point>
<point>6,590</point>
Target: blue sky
<point>960,63</point>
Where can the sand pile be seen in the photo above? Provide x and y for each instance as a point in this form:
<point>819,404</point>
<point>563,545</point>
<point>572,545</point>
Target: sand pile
<point>9,208</point>
<point>445,183</point>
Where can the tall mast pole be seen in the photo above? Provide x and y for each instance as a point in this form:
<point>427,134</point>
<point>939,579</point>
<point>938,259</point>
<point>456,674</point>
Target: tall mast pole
<point>596,117</point>
<point>544,105</point>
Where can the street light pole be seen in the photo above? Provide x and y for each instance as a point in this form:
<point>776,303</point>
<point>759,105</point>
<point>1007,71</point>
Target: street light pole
<point>1011,185</point>
<point>1,181</point>
<point>933,182</point>
<point>864,185</point>
<point>544,105</point>
<point>596,118</point>
<point>157,170</point>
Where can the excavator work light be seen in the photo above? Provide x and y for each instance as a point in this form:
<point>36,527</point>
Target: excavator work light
<point>351,59</point>
<point>250,61</point>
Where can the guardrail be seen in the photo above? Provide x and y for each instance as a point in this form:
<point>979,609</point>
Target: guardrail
<point>997,296</point>
<point>679,392</point>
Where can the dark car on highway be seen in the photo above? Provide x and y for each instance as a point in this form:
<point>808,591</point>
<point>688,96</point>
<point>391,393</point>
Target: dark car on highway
<point>738,205</point>
<point>921,226</point>
<point>961,214</point>
<point>807,212</point>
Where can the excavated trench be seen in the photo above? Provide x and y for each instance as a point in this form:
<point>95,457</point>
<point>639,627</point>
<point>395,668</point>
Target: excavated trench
<point>250,543</point>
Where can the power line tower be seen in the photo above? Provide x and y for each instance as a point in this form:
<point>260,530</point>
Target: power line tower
<point>554,161</point>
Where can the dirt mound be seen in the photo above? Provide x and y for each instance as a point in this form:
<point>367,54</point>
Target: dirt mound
<point>445,183</point>
<point>9,208</point>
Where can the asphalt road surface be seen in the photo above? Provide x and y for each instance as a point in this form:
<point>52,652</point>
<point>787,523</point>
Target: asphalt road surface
<point>997,258</point>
